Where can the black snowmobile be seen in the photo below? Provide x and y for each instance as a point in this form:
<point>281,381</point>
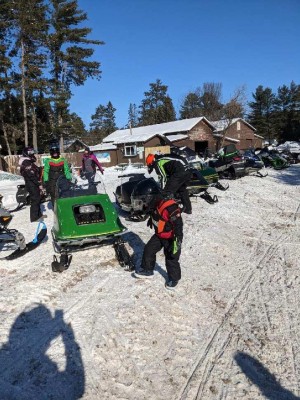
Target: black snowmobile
<point>133,196</point>
<point>253,164</point>
<point>13,240</point>
<point>23,197</point>
<point>228,163</point>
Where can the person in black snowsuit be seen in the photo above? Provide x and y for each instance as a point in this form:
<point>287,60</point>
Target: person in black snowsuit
<point>31,174</point>
<point>174,173</point>
<point>165,218</point>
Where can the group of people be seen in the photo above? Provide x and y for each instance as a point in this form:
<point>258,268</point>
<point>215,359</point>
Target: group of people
<point>39,179</point>
<point>165,214</point>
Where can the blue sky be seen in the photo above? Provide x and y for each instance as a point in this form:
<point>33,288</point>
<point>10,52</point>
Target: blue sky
<point>185,43</point>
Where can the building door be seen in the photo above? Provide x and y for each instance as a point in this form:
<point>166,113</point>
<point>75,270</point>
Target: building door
<point>201,147</point>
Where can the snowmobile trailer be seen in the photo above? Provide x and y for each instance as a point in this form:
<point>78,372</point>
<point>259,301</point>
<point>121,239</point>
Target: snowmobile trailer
<point>84,218</point>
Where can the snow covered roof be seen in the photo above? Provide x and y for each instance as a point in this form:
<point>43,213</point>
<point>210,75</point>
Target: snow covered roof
<point>68,143</point>
<point>256,135</point>
<point>103,147</point>
<point>144,133</point>
<point>224,123</point>
<point>174,138</point>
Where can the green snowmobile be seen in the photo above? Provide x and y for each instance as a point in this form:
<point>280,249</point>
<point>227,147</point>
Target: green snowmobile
<point>209,174</point>
<point>84,218</point>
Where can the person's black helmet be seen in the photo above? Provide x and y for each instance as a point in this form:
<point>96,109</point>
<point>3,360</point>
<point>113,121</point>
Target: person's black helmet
<point>28,152</point>
<point>148,193</point>
<point>54,151</point>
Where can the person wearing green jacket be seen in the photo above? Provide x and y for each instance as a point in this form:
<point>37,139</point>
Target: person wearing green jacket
<point>54,167</point>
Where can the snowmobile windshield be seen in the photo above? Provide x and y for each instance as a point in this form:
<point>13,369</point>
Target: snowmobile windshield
<point>67,188</point>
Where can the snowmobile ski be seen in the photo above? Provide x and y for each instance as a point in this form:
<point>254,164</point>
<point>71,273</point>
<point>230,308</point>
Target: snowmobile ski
<point>208,198</point>
<point>38,239</point>
<point>62,264</point>
<point>219,186</point>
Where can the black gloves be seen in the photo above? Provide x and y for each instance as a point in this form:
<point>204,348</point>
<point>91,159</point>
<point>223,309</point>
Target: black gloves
<point>149,223</point>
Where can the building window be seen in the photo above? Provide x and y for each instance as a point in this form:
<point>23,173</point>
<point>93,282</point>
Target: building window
<point>130,151</point>
<point>238,125</point>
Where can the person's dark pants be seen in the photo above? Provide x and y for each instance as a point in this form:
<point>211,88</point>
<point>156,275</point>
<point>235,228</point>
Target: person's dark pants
<point>35,201</point>
<point>154,245</point>
<point>51,189</point>
<point>177,183</point>
<point>90,176</point>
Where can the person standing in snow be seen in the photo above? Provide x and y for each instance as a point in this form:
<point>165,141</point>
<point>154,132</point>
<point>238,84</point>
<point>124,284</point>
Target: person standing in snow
<point>89,164</point>
<point>165,218</point>
<point>174,173</point>
<point>31,174</point>
<point>54,167</point>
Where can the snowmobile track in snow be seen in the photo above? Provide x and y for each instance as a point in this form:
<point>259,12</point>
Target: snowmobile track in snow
<point>206,360</point>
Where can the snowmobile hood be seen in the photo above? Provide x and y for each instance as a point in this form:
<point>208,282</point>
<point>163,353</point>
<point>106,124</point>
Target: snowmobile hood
<point>146,187</point>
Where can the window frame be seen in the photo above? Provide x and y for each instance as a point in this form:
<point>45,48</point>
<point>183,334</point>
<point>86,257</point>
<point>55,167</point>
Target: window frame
<point>134,152</point>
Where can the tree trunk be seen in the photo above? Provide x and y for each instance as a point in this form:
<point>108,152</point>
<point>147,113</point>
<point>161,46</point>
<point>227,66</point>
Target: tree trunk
<point>61,139</point>
<point>5,135</point>
<point>24,95</point>
<point>34,127</point>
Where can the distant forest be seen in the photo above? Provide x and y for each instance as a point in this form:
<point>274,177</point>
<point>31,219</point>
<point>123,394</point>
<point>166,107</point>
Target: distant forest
<point>45,51</point>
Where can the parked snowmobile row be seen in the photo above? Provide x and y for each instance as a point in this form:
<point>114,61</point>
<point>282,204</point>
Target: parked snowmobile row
<point>133,196</point>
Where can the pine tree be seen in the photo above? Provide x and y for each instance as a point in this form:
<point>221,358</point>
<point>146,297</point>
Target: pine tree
<point>6,117</point>
<point>262,115</point>
<point>132,115</point>
<point>29,32</point>
<point>69,55</point>
<point>191,106</point>
<point>287,112</point>
<point>157,106</point>
<point>103,121</point>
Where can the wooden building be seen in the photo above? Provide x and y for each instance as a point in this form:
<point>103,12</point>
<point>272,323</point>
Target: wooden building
<point>237,131</point>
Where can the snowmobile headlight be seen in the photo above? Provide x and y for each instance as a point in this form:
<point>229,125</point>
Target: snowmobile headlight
<point>87,209</point>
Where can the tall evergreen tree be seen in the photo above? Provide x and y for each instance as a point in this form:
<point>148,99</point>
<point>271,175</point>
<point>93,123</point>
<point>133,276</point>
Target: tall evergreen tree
<point>261,115</point>
<point>69,54</point>
<point>287,112</point>
<point>103,121</point>
<point>29,31</point>
<point>191,106</point>
<point>205,101</point>
<point>133,115</point>
<point>157,106</point>
<point>6,118</point>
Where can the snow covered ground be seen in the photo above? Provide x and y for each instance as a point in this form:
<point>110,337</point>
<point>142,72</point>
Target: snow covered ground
<point>230,331</point>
